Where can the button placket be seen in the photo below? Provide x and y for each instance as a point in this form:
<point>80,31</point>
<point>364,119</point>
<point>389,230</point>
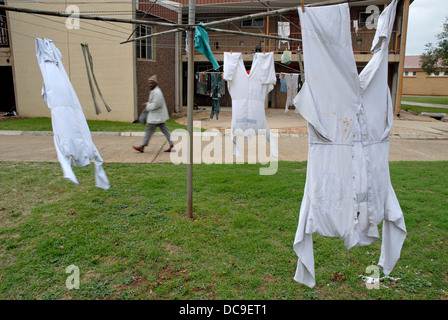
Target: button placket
<point>354,181</point>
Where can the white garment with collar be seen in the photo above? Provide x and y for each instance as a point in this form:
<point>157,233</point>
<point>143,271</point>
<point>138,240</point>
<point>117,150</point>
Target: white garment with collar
<point>72,138</point>
<point>248,92</point>
<point>348,191</point>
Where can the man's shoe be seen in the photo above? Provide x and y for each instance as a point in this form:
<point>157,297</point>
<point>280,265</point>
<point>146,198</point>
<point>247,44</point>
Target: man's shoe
<point>139,148</point>
<point>169,149</point>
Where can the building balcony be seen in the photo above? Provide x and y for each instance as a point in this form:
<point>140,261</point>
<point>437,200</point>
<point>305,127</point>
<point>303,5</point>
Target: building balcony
<point>4,39</point>
<point>361,42</point>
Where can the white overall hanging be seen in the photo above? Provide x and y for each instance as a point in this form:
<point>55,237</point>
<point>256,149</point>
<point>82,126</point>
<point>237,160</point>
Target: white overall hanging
<point>348,191</point>
<point>249,91</point>
<point>72,138</point>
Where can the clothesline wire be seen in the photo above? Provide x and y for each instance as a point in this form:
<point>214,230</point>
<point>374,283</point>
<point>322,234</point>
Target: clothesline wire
<point>108,3</point>
<point>288,67</point>
<point>60,22</point>
<point>144,16</point>
<point>84,22</point>
<point>62,30</point>
<point>47,27</point>
<point>281,15</point>
<point>159,43</point>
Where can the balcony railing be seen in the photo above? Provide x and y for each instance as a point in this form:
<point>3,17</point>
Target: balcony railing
<point>219,43</point>
<point>4,40</point>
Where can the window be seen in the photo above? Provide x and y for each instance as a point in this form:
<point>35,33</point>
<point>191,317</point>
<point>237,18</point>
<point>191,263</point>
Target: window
<point>437,74</point>
<point>253,23</point>
<point>363,18</point>
<point>144,46</point>
<point>410,73</point>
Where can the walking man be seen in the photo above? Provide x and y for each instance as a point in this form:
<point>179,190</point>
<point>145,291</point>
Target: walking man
<point>157,114</point>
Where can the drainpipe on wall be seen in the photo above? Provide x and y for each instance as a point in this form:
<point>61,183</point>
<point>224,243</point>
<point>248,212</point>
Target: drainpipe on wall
<point>404,30</point>
<point>178,66</point>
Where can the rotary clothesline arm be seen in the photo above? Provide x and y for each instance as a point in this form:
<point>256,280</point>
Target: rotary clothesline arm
<point>260,35</point>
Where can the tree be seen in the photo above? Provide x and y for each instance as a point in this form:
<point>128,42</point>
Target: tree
<point>436,57</point>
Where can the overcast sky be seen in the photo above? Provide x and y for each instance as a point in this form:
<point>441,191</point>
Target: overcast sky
<point>426,18</point>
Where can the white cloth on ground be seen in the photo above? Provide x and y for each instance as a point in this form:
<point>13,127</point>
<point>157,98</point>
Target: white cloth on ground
<point>72,138</point>
<point>249,92</point>
<point>348,191</point>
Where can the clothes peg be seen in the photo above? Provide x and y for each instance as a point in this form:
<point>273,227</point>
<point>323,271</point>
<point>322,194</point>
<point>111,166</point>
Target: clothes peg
<point>303,7</point>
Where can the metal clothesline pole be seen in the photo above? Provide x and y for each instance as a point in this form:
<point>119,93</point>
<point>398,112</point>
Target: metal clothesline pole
<point>190,95</point>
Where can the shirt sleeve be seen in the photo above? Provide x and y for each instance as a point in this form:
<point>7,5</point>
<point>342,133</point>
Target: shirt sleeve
<point>230,64</point>
<point>266,61</point>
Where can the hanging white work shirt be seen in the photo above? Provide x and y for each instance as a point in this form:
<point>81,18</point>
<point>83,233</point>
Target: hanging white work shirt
<point>72,138</point>
<point>248,92</point>
<point>348,192</point>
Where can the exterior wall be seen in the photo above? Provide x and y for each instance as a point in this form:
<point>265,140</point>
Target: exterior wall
<point>221,42</point>
<point>114,64</point>
<point>162,65</point>
<point>423,85</point>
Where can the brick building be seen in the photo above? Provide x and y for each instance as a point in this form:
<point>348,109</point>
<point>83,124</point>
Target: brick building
<point>122,69</point>
<point>418,82</point>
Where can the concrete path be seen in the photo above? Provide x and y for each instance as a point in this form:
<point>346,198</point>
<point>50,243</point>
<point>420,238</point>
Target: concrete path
<point>413,138</point>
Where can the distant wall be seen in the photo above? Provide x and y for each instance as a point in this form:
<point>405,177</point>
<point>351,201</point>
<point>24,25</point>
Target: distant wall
<point>423,85</point>
<point>114,64</point>
<point>162,65</point>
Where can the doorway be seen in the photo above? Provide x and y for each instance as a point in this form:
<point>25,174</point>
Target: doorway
<point>8,101</point>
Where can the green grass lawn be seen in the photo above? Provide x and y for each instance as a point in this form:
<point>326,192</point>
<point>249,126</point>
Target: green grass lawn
<point>426,99</point>
<point>135,241</point>
<point>419,109</point>
<point>44,124</point>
